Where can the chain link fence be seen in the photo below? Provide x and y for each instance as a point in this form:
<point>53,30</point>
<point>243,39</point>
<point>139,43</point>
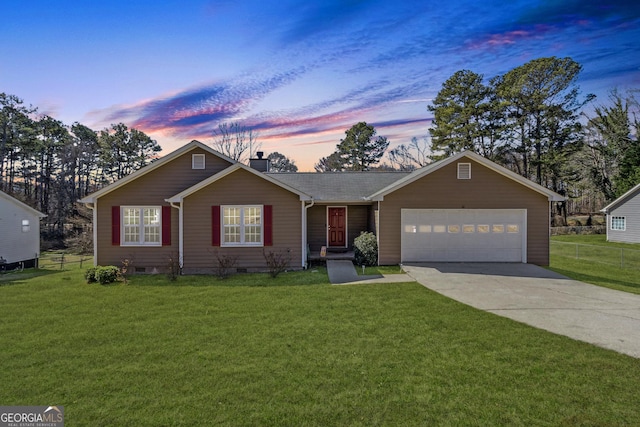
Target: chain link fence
<point>618,257</point>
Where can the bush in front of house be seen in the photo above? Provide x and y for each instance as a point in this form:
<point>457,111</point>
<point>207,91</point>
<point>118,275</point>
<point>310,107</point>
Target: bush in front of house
<point>107,274</point>
<point>173,266</point>
<point>366,249</point>
<point>277,262</point>
<point>224,265</point>
<point>102,274</point>
<point>90,275</point>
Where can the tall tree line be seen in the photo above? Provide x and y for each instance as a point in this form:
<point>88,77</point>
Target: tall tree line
<point>50,165</point>
<point>531,121</point>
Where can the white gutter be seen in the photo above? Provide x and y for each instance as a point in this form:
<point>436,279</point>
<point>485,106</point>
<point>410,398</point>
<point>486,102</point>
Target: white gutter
<point>180,233</point>
<point>376,225</point>
<point>304,232</point>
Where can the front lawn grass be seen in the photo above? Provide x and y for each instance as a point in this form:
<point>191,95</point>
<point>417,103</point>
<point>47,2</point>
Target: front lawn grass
<point>380,269</point>
<point>247,351</point>
<point>596,262</point>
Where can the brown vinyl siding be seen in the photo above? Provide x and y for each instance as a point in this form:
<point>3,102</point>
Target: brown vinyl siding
<point>240,188</point>
<point>151,189</point>
<point>317,227</point>
<point>358,216</point>
<point>357,221</point>
<point>485,190</point>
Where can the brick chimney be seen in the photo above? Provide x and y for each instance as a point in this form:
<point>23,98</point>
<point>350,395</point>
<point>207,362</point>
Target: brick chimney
<point>260,164</point>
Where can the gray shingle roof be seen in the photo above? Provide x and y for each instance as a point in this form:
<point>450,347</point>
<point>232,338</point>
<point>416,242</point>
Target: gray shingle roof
<point>339,186</point>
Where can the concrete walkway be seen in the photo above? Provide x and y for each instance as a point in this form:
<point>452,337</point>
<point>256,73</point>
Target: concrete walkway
<point>540,298</point>
<point>343,272</point>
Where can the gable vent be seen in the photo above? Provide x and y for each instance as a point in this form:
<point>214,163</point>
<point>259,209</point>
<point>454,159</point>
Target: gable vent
<point>464,170</point>
<point>197,161</point>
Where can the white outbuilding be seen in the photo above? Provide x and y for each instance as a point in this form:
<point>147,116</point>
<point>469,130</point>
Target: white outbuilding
<point>19,233</point>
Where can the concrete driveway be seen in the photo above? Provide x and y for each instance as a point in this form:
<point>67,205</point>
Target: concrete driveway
<point>540,298</point>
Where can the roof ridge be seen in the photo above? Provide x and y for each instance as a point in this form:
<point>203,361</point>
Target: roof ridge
<point>334,172</point>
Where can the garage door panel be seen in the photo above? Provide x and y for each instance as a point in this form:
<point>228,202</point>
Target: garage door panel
<point>463,235</point>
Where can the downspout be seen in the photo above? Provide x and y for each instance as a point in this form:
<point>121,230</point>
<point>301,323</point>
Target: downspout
<point>180,230</point>
<point>549,228</point>
<point>304,232</point>
<point>377,226</point>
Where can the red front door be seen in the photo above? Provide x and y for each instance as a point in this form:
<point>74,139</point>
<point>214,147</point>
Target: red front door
<point>337,227</point>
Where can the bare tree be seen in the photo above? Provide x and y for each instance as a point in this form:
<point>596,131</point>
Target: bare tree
<point>412,156</point>
<point>236,141</point>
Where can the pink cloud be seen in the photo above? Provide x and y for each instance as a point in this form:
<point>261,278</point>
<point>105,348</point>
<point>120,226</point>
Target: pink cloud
<point>491,41</point>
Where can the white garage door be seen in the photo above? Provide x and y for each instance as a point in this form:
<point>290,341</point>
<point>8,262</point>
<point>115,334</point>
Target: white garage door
<point>464,235</point>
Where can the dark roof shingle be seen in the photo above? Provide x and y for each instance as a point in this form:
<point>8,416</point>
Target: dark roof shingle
<point>339,186</point>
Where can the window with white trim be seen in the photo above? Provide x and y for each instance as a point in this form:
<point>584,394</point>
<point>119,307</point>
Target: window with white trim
<point>25,226</point>
<point>464,170</point>
<point>141,226</point>
<point>618,223</point>
<point>242,226</point>
<point>197,161</point>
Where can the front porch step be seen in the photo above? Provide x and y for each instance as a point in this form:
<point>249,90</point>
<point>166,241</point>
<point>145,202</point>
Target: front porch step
<point>347,256</point>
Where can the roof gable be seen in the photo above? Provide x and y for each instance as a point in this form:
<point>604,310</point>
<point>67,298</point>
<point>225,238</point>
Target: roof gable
<point>622,199</point>
<point>228,171</point>
<point>422,172</point>
<point>21,205</point>
<point>153,166</point>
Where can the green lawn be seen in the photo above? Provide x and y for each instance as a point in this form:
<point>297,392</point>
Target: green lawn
<point>256,351</point>
<point>599,262</point>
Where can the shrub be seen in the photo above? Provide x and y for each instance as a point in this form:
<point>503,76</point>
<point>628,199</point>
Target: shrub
<point>277,262</point>
<point>107,274</point>
<point>224,265</point>
<point>173,266</point>
<point>90,275</point>
<point>366,249</point>
<point>127,267</point>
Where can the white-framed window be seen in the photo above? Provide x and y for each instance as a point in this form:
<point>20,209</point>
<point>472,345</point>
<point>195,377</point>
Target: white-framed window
<point>197,161</point>
<point>141,226</point>
<point>618,223</point>
<point>26,227</point>
<point>242,225</point>
<point>464,170</point>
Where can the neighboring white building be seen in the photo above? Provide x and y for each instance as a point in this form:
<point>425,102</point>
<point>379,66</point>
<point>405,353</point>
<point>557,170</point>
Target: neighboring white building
<point>623,217</point>
<point>19,232</point>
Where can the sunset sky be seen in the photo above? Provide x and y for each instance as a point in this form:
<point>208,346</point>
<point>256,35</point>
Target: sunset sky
<point>298,72</point>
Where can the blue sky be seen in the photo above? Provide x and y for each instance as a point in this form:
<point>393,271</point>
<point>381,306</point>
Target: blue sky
<point>298,72</point>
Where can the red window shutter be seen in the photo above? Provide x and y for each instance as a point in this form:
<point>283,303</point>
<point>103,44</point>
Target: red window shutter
<point>166,226</point>
<point>215,225</point>
<point>115,225</point>
<point>268,225</point>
